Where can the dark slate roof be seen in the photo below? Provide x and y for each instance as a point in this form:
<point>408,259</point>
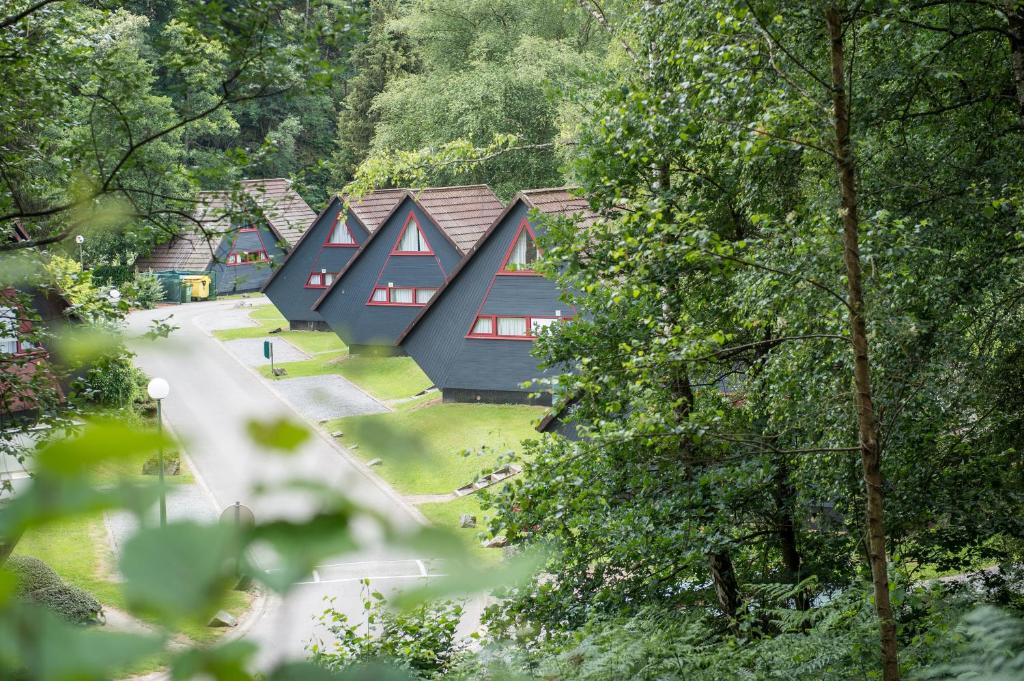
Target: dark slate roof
<point>373,208</point>
<point>463,213</point>
<point>370,210</point>
<point>556,201</point>
<point>287,214</point>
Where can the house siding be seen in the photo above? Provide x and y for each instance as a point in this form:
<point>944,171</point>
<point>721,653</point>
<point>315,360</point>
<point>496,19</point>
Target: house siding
<point>464,368</point>
<point>249,277</point>
<point>345,308</point>
<point>288,290</point>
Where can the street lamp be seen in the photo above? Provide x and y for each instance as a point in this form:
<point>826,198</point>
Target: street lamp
<point>114,295</point>
<point>81,259</point>
<point>158,389</point>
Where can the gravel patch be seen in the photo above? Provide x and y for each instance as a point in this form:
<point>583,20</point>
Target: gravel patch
<point>250,351</point>
<point>327,397</point>
<point>184,502</point>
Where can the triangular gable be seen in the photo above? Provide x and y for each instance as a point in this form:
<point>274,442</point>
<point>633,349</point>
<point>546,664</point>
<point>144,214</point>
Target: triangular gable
<point>522,252</point>
<point>340,235</point>
<point>412,240</point>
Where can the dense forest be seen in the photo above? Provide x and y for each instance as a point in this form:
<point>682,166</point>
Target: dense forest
<point>797,371</point>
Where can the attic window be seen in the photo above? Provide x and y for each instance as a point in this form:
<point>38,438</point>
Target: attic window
<point>401,295</point>
<point>341,235</point>
<point>245,257</point>
<point>412,240</point>
<point>523,254</point>
<point>511,328</point>
<point>320,279</point>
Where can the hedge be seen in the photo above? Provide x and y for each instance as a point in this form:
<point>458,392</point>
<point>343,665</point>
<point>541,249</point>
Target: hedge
<point>33,574</point>
<point>38,583</point>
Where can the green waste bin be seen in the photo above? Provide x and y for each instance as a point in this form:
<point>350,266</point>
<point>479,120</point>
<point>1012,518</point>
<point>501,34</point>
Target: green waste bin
<point>186,294</point>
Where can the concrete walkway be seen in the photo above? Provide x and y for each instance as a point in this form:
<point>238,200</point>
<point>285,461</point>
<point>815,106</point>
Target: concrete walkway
<point>213,395</point>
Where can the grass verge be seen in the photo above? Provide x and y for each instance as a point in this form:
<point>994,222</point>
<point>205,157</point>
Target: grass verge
<point>446,514</point>
<point>421,449</point>
<point>386,378</point>
<point>268,319</point>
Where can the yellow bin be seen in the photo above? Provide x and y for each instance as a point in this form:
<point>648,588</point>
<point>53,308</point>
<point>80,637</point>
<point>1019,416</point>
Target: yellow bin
<point>200,284</point>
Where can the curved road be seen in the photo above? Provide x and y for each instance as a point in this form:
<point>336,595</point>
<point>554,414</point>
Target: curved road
<point>212,397</point>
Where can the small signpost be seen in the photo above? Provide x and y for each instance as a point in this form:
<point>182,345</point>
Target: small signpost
<point>240,517</point>
<point>268,352</point>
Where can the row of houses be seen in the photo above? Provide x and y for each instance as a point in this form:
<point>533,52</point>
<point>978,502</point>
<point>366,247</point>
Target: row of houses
<point>445,275</point>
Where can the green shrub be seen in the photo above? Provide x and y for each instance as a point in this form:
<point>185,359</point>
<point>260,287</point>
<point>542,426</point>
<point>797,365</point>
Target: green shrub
<point>39,583</point>
<point>111,382</point>
<point>70,602</point>
<point>145,290</point>
<point>33,574</point>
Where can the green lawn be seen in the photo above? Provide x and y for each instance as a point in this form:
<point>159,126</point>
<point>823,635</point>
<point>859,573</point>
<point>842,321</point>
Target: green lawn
<point>268,312</point>
<point>421,448</point>
<point>268,319</point>
<point>263,327</point>
<point>315,342</point>
<point>446,515</point>
<point>386,378</point>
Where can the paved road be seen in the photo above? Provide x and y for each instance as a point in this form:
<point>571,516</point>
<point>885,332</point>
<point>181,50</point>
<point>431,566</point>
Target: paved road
<point>212,396</point>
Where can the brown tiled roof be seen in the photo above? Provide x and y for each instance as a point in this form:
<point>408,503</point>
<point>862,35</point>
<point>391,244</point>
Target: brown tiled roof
<point>560,201</point>
<point>463,213</point>
<point>185,252</point>
<point>286,211</point>
<point>287,214</point>
<point>372,208</point>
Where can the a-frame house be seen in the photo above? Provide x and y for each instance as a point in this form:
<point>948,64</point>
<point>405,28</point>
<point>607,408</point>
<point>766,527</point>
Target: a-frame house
<point>474,339</point>
<point>237,236</point>
<point>404,262</point>
<point>323,251</point>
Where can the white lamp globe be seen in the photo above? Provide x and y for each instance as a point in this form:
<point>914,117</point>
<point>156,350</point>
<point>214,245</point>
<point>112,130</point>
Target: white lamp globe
<point>158,389</point>
<point>114,294</point>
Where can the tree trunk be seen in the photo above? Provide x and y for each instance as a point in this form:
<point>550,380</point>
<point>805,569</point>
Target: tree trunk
<point>1015,28</point>
<point>784,494</point>
<point>723,576</point>
<point>866,424</point>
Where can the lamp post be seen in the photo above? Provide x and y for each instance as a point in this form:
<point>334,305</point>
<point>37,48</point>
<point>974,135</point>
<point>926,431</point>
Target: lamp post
<point>158,389</point>
<point>81,258</point>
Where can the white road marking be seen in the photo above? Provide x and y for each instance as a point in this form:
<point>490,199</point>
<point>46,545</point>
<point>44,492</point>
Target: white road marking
<point>316,577</point>
<point>423,568</point>
<point>372,579</point>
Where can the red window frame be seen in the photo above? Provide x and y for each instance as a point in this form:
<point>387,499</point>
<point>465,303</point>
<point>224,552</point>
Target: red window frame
<point>262,252</point>
<point>327,239</point>
<point>494,326</point>
<point>502,271</point>
<point>323,277</point>
<point>248,228</point>
<point>388,303</point>
<point>423,235</point>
